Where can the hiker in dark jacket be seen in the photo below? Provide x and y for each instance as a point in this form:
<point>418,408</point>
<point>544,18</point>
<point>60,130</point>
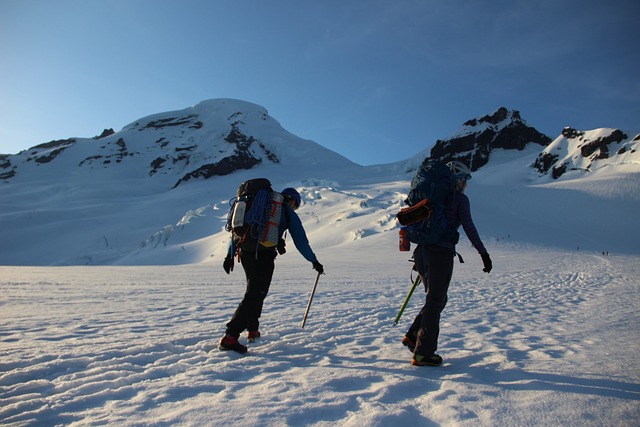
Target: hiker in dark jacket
<point>258,267</point>
<point>435,265</point>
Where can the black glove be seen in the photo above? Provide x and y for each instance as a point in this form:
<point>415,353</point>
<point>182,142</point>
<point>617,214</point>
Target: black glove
<point>228,264</point>
<point>486,260</point>
<point>281,247</point>
<point>318,267</point>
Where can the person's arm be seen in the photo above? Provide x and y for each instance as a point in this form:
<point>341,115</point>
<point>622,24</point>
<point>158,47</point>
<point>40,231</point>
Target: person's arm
<point>464,215</point>
<point>299,236</point>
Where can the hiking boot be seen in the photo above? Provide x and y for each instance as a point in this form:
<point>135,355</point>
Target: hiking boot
<point>253,336</point>
<point>409,343</point>
<point>231,343</point>
<point>420,360</point>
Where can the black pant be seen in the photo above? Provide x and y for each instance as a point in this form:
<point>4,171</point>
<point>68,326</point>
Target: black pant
<point>258,267</point>
<point>437,263</point>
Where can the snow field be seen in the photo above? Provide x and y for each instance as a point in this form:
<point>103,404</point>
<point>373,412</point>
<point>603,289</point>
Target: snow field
<point>547,337</point>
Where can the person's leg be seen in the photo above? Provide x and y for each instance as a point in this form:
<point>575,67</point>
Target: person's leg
<point>259,271</point>
<point>265,267</point>
<point>421,268</point>
<point>439,263</point>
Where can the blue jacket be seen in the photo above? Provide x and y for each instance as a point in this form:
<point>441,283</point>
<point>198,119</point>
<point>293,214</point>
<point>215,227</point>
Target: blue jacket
<point>458,212</point>
<point>288,221</point>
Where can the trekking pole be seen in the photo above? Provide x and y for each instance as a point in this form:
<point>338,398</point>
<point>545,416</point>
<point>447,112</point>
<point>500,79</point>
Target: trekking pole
<point>406,300</point>
<point>313,291</point>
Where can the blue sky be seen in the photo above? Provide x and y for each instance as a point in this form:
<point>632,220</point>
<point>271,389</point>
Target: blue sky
<point>377,80</point>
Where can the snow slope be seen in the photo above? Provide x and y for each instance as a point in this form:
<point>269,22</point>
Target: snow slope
<point>61,224</point>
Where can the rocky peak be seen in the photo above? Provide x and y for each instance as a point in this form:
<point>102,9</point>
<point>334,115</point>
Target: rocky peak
<point>105,133</point>
<point>499,116</point>
<point>474,142</point>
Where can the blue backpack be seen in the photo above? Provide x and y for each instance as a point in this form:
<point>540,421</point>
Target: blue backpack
<point>435,183</point>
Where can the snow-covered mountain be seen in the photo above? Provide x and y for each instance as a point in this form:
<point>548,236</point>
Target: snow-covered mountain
<point>157,191</point>
<point>213,138</point>
<point>589,151</point>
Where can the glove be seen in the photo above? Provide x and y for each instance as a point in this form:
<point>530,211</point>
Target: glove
<point>228,264</point>
<point>281,247</point>
<point>486,260</point>
<point>318,267</point>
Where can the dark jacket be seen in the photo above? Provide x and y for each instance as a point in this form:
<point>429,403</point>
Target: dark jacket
<point>458,212</point>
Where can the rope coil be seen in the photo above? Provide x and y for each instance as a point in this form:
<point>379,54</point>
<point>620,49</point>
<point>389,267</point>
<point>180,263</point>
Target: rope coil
<point>256,217</point>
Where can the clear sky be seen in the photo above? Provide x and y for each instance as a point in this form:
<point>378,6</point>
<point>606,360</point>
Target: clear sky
<point>375,80</point>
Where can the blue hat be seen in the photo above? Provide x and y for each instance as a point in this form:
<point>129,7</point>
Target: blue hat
<point>292,194</point>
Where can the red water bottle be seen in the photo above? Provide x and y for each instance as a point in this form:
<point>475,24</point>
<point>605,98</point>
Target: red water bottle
<point>405,244</point>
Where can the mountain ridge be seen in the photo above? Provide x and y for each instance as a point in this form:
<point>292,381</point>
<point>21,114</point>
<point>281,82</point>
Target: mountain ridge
<point>217,137</point>
<point>141,195</point>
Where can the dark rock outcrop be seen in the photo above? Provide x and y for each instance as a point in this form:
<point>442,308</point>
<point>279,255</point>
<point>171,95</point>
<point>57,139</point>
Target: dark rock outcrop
<point>582,151</point>
<point>105,133</point>
<point>8,170</point>
<point>45,153</point>
<point>504,129</point>
<point>602,145</point>
<point>238,161</point>
<point>188,121</point>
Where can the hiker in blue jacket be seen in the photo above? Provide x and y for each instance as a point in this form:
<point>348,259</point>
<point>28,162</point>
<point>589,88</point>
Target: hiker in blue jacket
<point>436,268</point>
<point>258,267</point>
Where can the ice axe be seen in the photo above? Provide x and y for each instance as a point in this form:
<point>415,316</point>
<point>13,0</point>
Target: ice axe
<point>313,291</point>
<point>406,300</point>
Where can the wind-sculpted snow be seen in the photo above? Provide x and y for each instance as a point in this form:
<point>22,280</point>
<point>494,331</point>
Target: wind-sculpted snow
<point>547,338</point>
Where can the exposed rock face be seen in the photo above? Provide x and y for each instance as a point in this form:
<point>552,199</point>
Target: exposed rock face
<point>44,153</point>
<point>585,151</point>
<point>545,162</point>
<point>105,133</point>
<point>602,145</point>
<point>118,151</point>
<point>7,170</point>
<point>190,122</point>
<point>241,160</point>
<point>478,137</point>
